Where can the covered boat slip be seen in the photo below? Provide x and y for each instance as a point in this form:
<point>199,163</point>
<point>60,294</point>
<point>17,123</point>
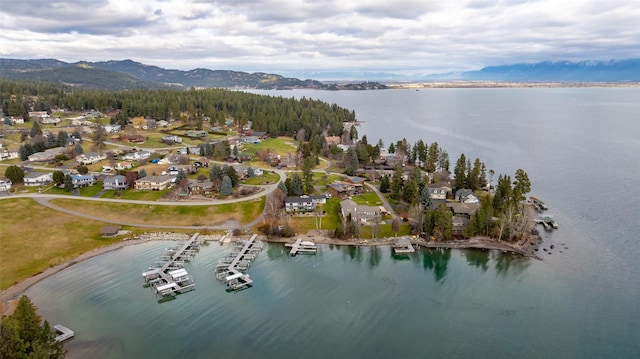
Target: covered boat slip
<point>231,269</point>
<point>302,247</point>
<point>168,276</point>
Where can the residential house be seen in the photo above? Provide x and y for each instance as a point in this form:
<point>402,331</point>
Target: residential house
<point>48,155</point>
<point>340,189</point>
<point>463,210</point>
<point>90,158</point>
<point>466,196</point>
<point>162,123</point>
<point>17,120</point>
<point>332,140</point>
<point>196,134</point>
<point>137,156</point>
<point>5,184</point>
<point>81,121</point>
<point>8,154</point>
<point>124,165</point>
<point>201,187</point>
<point>155,183</point>
<point>359,213</point>
<point>79,180</point>
<point>50,120</point>
<point>112,128</point>
<point>438,192</point>
<point>250,139</point>
<point>172,138</point>
<point>303,203</point>
<point>38,178</point>
<point>115,182</point>
<point>357,183</point>
<point>38,114</point>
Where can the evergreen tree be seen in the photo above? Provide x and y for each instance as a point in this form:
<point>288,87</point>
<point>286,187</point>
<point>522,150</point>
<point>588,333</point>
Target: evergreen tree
<point>443,160</point>
<point>396,183</point>
<point>99,137</point>
<point>460,173</point>
<point>142,173</point>
<point>410,191</point>
<point>24,335</point>
<point>425,198</point>
<point>77,149</point>
<point>25,151</point>
<point>384,184</point>
<point>231,172</point>
<point>226,188</point>
<point>216,173</point>
<point>68,183</point>
<point>307,175</point>
<point>63,138</point>
<point>289,184</point>
<point>521,186</point>
<point>392,148</point>
<point>283,187</point>
<point>83,170</point>
<point>35,129</point>
<point>296,185</point>
<point>250,172</point>
<point>181,176</point>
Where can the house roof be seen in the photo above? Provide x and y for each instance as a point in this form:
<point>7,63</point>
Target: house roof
<point>463,208</point>
<point>156,179</point>
<point>114,179</point>
<point>297,200</point>
<point>38,174</point>
<point>109,230</point>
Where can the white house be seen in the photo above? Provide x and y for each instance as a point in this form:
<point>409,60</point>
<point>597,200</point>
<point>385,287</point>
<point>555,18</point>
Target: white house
<point>137,156</point>
<point>112,128</point>
<point>83,180</point>
<point>89,158</point>
<point>359,213</point>
<point>48,155</point>
<point>466,196</point>
<point>438,192</point>
<point>5,184</point>
<point>8,154</point>
<point>115,182</point>
<point>38,178</point>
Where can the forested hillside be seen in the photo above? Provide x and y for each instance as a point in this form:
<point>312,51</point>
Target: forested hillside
<point>276,115</point>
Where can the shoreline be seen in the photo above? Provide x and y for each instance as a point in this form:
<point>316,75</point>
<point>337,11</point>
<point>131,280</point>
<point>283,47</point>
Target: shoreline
<point>9,296</point>
<point>506,84</point>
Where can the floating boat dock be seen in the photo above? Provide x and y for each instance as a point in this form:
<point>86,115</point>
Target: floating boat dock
<point>540,206</point>
<point>547,222</point>
<point>63,332</point>
<point>231,269</point>
<point>303,247</point>
<point>168,276</point>
<point>402,246</point>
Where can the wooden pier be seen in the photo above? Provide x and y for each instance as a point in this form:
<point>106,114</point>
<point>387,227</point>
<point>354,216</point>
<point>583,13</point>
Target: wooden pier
<point>231,269</point>
<point>402,246</point>
<point>168,276</point>
<point>63,333</point>
<point>303,247</point>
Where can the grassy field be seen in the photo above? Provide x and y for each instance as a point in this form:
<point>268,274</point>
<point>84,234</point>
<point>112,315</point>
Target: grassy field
<point>137,195</point>
<point>302,224</point>
<point>279,145</point>
<point>168,215</point>
<point>27,249</point>
<point>367,199</point>
<point>267,178</point>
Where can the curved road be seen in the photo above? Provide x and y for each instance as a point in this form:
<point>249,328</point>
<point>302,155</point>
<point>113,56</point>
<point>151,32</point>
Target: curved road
<point>44,199</point>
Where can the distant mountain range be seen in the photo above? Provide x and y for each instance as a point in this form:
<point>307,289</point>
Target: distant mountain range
<point>128,74</point>
<point>553,71</point>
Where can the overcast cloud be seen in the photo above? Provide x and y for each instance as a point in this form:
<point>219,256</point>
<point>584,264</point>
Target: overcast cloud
<point>400,36</point>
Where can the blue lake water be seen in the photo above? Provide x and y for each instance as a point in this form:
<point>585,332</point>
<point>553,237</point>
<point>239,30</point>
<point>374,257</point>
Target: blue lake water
<point>580,148</point>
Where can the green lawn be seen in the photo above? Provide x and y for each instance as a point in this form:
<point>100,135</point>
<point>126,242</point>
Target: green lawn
<point>267,178</point>
<point>279,145</point>
<point>367,199</point>
<point>90,191</point>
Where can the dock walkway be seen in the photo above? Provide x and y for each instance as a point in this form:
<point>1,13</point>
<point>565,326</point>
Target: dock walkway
<point>63,332</point>
<point>231,269</point>
<point>169,277</point>
<point>303,247</point>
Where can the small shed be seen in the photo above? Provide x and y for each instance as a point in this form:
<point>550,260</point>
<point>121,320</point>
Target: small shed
<point>109,231</point>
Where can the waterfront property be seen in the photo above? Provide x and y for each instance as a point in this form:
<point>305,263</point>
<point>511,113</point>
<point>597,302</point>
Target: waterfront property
<point>303,203</point>
<point>358,212</point>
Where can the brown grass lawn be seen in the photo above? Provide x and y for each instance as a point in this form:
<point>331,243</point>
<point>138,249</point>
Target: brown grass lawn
<point>168,215</point>
<point>33,237</point>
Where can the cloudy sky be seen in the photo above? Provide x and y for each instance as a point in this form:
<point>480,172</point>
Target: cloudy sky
<point>285,36</point>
